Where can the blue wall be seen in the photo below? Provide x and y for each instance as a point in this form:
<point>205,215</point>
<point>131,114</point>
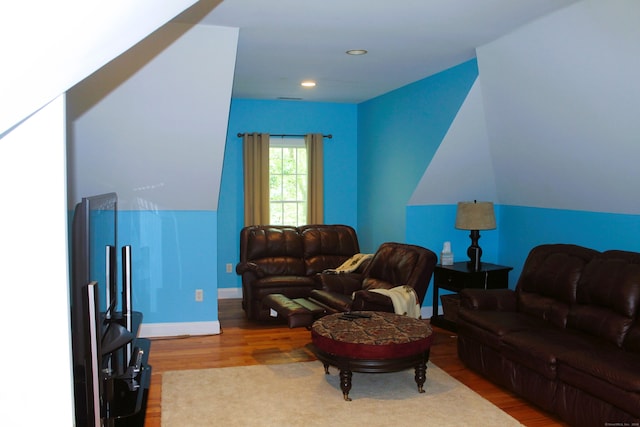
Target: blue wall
<point>398,134</point>
<point>172,253</point>
<point>287,117</point>
<point>522,228</point>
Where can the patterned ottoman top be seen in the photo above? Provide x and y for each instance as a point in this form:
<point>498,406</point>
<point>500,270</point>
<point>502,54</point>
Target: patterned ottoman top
<point>381,336</point>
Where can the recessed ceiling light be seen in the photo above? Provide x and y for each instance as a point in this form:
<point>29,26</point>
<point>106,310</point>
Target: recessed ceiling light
<point>356,52</point>
<point>308,83</point>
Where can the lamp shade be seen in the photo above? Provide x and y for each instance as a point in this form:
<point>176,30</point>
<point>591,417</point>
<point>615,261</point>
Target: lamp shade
<point>475,216</point>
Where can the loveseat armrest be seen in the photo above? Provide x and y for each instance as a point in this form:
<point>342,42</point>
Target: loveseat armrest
<point>249,267</point>
<point>488,299</point>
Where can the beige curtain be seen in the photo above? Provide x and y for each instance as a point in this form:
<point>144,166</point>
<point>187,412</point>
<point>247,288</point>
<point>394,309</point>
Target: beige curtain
<point>315,195</point>
<point>255,151</point>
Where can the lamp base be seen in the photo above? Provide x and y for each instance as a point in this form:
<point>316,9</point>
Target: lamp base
<point>474,265</point>
<point>474,252</point>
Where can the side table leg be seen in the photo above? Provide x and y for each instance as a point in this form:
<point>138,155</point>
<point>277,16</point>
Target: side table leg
<point>421,375</point>
<point>345,383</point>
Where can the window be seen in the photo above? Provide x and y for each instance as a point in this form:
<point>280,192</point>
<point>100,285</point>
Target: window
<point>287,181</point>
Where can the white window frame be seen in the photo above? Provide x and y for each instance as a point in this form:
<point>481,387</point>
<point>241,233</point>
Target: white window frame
<point>300,204</point>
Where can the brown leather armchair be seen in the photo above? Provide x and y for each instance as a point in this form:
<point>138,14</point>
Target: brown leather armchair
<point>393,264</point>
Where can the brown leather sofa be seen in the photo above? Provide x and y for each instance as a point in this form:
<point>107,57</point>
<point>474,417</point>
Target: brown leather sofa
<point>567,338</point>
<point>284,260</point>
<point>393,264</point>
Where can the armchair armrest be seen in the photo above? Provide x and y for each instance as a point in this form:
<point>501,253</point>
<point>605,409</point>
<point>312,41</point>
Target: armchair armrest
<point>249,267</point>
<point>488,299</point>
<point>371,301</point>
<point>344,284</point>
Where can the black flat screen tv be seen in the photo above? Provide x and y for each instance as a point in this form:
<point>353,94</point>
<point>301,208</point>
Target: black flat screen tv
<point>93,274</point>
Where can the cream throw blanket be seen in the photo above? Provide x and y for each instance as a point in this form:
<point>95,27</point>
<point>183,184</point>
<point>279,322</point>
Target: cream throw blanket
<point>350,265</point>
<point>404,298</point>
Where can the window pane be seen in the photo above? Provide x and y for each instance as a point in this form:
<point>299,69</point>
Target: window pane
<point>301,184</point>
<point>288,160</point>
<point>275,187</point>
<point>290,213</point>
<point>275,213</point>
<point>275,160</point>
<point>302,161</point>
<point>289,187</point>
<point>302,213</point>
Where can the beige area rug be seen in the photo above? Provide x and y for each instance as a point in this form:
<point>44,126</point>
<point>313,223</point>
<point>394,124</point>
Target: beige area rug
<point>300,394</point>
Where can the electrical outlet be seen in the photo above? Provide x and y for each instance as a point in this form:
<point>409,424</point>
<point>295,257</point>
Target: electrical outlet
<point>229,267</point>
<point>199,295</point>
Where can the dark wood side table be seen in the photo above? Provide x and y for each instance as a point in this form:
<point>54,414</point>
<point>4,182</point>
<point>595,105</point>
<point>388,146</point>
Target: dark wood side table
<point>458,276</point>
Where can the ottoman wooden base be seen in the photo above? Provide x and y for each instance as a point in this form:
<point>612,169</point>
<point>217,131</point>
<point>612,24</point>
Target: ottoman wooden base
<point>375,343</point>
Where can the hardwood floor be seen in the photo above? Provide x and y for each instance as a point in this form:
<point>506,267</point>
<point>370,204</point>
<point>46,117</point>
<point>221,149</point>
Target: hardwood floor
<point>244,343</point>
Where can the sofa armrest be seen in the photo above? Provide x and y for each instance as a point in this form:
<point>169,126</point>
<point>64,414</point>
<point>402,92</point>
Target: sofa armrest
<point>249,267</point>
<point>488,299</point>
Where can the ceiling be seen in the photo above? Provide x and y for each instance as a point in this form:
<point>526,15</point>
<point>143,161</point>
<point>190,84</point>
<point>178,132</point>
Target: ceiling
<point>283,42</point>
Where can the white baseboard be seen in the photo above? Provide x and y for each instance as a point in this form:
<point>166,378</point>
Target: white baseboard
<point>228,293</point>
<point>151,330</point>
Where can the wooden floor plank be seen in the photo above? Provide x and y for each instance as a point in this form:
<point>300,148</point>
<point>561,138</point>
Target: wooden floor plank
<point>244,343</point>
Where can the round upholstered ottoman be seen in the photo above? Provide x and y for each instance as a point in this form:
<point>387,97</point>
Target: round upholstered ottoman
<point>371,342</point>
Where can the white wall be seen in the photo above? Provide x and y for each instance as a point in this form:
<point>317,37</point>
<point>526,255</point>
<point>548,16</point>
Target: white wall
<point>36,373</point>
<point>561,98</point>
<point>152,125</point>
<point>48,47</point>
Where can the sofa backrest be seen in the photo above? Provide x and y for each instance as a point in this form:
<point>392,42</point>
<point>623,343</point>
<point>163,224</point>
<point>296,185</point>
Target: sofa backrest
<point>547,285</point>
<point>608,298</point>
<point>297,251</point>
<point>277,250</point>
<point>327,246</point>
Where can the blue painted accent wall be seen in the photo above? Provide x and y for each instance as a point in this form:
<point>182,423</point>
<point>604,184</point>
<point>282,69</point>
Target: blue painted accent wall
<point>172,255</point>
<point>287,117</point>
<point>522,228</point>
<point>398,134</point>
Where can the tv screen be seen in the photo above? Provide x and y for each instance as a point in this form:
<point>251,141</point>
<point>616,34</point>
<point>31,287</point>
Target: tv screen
<point>93,258</point>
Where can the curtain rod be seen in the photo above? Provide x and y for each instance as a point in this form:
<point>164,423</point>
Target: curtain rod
<point>329,136</point>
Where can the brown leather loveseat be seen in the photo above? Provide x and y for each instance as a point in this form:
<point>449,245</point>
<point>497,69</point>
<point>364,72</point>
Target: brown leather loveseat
<point>567,338</point>
<point>285,259</point>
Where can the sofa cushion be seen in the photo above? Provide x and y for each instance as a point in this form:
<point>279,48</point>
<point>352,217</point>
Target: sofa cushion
<point>540,348</point>
<point>608,297</point>
<point>488,327</point>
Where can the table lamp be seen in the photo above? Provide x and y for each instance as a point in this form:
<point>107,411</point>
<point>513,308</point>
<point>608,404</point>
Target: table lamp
<point>475,216</point>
